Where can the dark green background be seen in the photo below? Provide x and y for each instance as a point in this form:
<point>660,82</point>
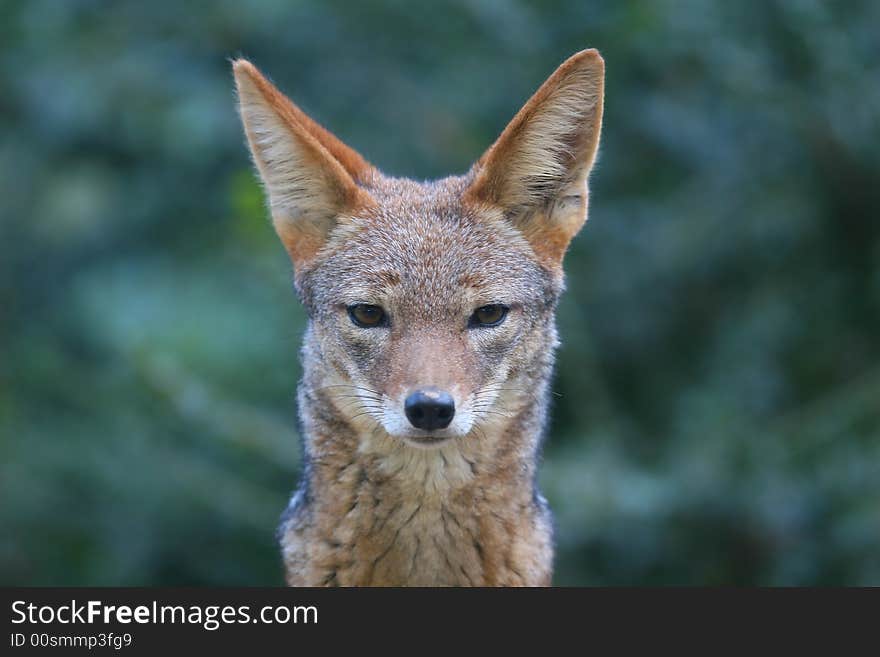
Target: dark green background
<point>717,416</point>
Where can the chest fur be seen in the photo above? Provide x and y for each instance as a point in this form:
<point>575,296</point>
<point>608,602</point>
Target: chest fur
<point>381,534</point>
<point>424,543</point>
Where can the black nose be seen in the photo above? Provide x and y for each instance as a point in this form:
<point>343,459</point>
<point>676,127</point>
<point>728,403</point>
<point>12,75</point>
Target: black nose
<point>429,409</point>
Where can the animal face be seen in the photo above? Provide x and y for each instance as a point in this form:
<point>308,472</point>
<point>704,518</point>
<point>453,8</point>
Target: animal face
<point>427,308</point>
<point>431,304</point>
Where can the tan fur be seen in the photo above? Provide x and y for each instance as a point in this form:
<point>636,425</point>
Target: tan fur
<point>308,188</point>
<point>381,502</point>
<point>543,157</point>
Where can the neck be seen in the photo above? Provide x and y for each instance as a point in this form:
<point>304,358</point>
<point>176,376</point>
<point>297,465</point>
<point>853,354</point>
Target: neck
<point>373,510</point>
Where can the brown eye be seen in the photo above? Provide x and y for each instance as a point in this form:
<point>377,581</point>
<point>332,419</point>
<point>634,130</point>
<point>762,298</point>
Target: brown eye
<point>491,315</point>
<point>366,316</point>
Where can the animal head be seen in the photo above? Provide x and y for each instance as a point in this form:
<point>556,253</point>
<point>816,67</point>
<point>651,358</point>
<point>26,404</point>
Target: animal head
<point>430,303</point>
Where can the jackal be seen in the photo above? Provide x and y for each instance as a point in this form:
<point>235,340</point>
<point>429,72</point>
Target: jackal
<point>430,339</point>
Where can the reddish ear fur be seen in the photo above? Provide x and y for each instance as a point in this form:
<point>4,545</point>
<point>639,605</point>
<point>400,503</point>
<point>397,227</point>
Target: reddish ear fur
<point>536,172</point>
<point>310,176</point>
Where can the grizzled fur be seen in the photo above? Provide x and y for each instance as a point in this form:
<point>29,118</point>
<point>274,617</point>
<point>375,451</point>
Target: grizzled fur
<point>383,503</point>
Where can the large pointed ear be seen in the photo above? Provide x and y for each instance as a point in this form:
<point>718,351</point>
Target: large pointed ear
<point>536,172</point>
<point>309,175</point>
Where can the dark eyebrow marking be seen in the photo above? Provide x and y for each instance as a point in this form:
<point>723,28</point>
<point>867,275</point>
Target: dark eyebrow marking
<point>388,277</point>
<point>471,280</point>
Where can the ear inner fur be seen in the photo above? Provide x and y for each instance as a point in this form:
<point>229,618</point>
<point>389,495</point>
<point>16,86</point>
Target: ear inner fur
<point>544,156</point>
<point>308,187</point>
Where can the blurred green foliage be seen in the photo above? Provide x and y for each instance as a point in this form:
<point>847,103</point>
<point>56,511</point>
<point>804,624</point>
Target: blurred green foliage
<point>717,416</point>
